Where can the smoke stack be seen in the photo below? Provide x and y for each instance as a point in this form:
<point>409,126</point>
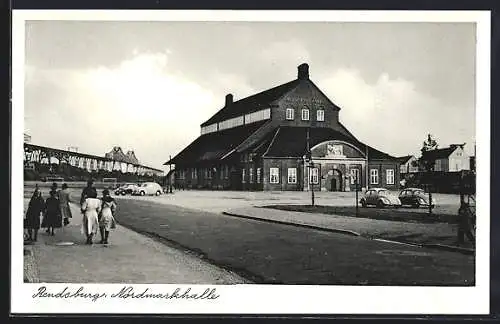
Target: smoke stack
<point>303,71</point>
<point>229,100</point>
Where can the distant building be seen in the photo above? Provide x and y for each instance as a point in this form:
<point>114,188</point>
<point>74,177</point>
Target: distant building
<point>450,159</point>
<point>408,164</point>
<point>265,141</point>
<point>27,138</point>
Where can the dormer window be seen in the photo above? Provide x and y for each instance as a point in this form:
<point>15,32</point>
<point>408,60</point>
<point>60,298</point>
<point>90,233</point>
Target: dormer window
<point>305,114</point>
<point>290,113</point>
<point>320,115</point>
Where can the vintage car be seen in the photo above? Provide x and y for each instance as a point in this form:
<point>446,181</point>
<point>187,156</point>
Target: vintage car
<point>148,188</point>
<point>379,197</point>
<point>415,197</point>
<point>126,189</point>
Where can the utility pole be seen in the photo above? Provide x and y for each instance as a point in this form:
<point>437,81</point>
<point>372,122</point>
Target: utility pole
<point>170,173</point>
<point>357,186</point>
<point>311,166</point>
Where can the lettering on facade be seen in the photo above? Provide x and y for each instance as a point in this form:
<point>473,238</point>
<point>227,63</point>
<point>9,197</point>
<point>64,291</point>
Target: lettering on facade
<point>310,102</point>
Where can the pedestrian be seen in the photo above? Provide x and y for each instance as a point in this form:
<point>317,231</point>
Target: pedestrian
<point>91,207</point>
<point>107,219</point>
<point>64,200</point>
<point>35,209</point>
<point>87,190</point>
<point>52,218</point>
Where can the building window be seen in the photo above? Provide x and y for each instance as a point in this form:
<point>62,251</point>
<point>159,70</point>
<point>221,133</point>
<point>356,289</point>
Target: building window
<point>221,172</point>
<point>314,178</point>
<point>354,176</point>
<point>292,175</point>
<point>250,174</point>
<point>290,113</point>
<point>226,172</point>
<point>305,114</point>
<point>258,175</point>
<point>274,175</point>
<point>320,115</point>
<point>437,166</point>
<point>374,176</point>
<point>243,176</point>
<point>389,176</point>
<point>181,174</point>
<point>193,173</point>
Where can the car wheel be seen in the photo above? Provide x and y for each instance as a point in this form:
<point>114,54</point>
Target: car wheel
<point>123,193</point>
<point>380,204</point>
<point>142,193</point>
<point>363,203</point>
<point>416,204</point>
<point>158,193</point>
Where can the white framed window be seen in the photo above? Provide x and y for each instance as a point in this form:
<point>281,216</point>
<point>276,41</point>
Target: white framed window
<point>274,175</point>
<point>292,175</point>
<point>258,175</point>
<point>226,172</point>
<point>243,176</point>
<point>305,114</point>
<point>193,173</point>
<point>354,176</point>
<point>389,176</point>
<point>437,166</point>
<point>181,174</point>
<point>290,112</point>
<point>250,174</point>
<point>221,172</point>
<point>314,176</point>
<point>320,115</point>
<point>374,176</point>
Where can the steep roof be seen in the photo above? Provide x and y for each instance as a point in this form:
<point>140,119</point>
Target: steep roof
<point>404,159</point>
<point>213,146</point>
<point>438,153</point>
<point>253,103</point>
<point>291,141</point>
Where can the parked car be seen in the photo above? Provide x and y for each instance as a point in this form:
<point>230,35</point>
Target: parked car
<point>415,197</point>
<point>380,197</point>
<point>148,188</point>
<point>126,189</point>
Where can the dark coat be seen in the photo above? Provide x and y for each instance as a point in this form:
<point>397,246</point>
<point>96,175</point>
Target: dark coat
<point>52,217</point>
<point>35,208</point>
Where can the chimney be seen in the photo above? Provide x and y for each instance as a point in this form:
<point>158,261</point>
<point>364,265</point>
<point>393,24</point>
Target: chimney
<point>303,71</point>
<point>229,100</point>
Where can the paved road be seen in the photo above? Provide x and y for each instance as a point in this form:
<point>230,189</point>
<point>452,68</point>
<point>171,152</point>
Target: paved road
<point>274,253</point>
<point>129,258</point>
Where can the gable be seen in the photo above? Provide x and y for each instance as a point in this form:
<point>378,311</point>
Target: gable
<point>307,95</point>
<point>335,150</point>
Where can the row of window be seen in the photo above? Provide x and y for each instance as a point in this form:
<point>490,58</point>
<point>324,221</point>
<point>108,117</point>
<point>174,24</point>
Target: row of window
<point>274,175</point>
<point>290,114</point>
<point>389,176</point>
<point>250,175</point>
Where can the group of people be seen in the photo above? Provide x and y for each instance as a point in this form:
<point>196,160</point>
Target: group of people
<point>98,214</point>
<point>55,211</point>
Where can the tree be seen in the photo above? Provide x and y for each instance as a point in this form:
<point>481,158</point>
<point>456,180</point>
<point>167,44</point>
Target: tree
<point>427,164</point>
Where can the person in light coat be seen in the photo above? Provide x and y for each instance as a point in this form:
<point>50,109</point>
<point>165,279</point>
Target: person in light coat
<point>91,207</point>
<point>107,220</point>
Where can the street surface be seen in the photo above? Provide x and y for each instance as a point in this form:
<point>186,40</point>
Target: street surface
<point>129,258</point>
<point>274,253</point>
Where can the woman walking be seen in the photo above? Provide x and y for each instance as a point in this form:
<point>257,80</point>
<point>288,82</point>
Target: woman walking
<point>91,207</point>
<point>107,220</point>
<point>64,204</point>
<point>52,218</point>
<point>32,221</point>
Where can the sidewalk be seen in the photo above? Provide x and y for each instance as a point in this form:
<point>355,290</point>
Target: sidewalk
<point>129,258</point>
<point>438,235</point>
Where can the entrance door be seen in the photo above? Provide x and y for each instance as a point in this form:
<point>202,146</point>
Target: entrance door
<point>333,184</point>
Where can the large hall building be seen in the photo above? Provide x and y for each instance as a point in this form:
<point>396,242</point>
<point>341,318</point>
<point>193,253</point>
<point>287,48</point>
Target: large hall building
<point>286,138</point>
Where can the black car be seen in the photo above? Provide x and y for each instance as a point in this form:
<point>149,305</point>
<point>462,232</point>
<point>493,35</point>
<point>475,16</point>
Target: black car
<point>415,197</point>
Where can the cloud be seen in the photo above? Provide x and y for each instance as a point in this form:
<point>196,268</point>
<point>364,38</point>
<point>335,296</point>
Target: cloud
<point>392,115</point>
<point>137,105</point>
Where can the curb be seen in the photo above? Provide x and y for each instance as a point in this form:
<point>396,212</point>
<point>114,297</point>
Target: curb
<point>332,230</point>
<point>352,233</point>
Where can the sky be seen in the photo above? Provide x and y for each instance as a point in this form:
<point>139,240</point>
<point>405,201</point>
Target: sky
<point>147,86</point>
